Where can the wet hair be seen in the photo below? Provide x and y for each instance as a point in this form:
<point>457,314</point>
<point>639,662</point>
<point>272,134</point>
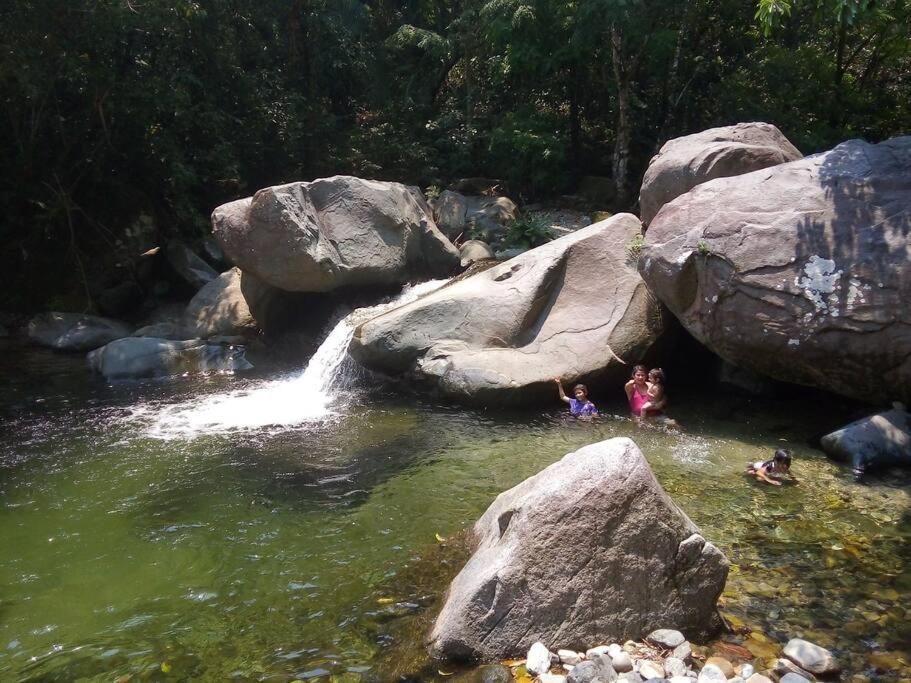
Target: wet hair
<point>639,368</point>
<point>782,457</point>
<point>658,374</point>
<point>582,387</point>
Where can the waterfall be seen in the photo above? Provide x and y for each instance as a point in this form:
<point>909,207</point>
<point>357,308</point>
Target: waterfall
<point>306,396</point>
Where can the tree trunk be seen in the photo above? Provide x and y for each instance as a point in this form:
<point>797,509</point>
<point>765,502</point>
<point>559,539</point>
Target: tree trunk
<point>575,126</point>
<point>623,132</point>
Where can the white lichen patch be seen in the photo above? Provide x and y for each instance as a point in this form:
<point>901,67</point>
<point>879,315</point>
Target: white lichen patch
<point>793,342</point>
<point>820,284</point>
<point>855,293</point>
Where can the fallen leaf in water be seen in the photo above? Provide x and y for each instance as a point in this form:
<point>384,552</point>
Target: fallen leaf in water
<point>165,667</point>
<point>445,673</point>
<point>151,252</point>
<point>385,601</point>
<point>513,662</point>
<point>440,538</point>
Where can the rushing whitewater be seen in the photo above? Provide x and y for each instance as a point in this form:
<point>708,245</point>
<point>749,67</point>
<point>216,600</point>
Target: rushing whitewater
<point>307,396</point>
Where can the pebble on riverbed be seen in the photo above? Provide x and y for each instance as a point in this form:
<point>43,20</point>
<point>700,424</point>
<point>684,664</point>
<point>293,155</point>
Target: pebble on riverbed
<point>666,656</point>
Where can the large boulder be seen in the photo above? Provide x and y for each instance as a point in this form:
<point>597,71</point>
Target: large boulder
<point>139,357</point>
<point>488,216</point>
<point>574,308</point>
<point>801,271</point>
<point>589,550</point>
<point>685,162</point>
<point>320,235</point>
<point>74,331</point>
<point>874,442</point>
<point>223,307</point>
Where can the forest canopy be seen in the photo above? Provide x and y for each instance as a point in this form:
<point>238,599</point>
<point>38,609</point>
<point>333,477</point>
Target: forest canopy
<point>120,111</point>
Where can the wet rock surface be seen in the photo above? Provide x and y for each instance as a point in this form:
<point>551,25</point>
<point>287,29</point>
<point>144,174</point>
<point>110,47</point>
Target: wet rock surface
<point>874,442</point>
<point>74,331</point>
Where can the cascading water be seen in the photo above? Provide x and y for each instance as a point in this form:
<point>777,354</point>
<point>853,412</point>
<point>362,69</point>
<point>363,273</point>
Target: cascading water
<point>304,397</point>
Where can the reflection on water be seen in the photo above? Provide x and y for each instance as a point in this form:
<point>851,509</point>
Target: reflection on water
<point>275,553</point>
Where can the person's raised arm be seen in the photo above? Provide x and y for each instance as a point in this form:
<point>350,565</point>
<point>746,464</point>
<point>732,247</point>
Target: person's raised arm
<point>563,396</point>
<point>629,387</point>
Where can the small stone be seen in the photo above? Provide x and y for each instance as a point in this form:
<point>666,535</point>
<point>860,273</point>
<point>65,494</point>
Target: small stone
<point>631,677</point>
<point>736,679</point>
<point>622,662</point>
<point>746,671</point>
<point>667,638</point>
<point>595,670</point>
<point>793,678</point>
<point>649,669</point>
<point>551,678</point>
<point>593,652</point>
<point>538,659</point>
<point>681,679</point>
<point>568,667</point>
<point>786,666</point>
<point>674,667</point>
<point>712,674</point>
<point>494,673</point>
<point>683,651</point>
<point>570,656</point>
<point>726,667</point>
<point>811,657</point>
<point>614,649</point>
<point>758,678</point>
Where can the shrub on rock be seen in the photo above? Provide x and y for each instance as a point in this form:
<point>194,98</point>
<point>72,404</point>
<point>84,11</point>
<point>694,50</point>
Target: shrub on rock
<point>589,548</point>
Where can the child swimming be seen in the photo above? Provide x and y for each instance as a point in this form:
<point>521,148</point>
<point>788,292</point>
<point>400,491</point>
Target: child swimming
<point>765,470</point>
<point>657,397</point>
<point>579,406</point>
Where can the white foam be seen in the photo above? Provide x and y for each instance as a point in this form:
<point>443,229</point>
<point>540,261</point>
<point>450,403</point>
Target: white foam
<point>304,397</point>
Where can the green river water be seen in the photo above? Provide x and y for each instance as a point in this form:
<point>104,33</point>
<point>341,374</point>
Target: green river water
<point>310,552</point>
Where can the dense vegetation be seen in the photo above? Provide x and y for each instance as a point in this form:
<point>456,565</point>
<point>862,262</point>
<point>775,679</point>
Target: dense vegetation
<point>166,108</point>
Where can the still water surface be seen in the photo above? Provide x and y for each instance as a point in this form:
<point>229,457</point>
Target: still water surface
<point>135,542</point>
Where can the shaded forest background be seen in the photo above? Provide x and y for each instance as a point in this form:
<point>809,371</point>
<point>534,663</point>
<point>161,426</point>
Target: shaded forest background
<point>126,122</point>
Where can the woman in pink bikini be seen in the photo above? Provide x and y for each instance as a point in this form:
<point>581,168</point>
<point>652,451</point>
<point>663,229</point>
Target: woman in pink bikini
<point>637,390</point>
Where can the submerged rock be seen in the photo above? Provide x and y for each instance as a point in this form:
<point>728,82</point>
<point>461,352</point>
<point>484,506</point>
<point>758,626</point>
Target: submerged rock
<point>74,331</point>
<point>801,271</point>
<point>320,235</point>
<point>685,162</point>
<point>140,357</point>
<point>811,657</point>
<point>874,442</point>
<point>575,307</point>
<point>522,586</point>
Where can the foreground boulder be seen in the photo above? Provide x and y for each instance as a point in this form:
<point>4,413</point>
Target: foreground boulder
<point>685,162</point>
<point>575,308</point>
<point>74,331</point>
<point>589,549</point>
<point>874,442</point>
<point>487,216</point>
<point>321,235</point>
<point>800,271</point>
<point>140,357</point>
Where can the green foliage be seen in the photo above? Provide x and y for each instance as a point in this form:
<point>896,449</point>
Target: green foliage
<point>527,231</point>
<point>634,247</point>
<point>703,248</point>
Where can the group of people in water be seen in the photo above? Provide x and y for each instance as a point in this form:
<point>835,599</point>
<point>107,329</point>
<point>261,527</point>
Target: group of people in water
<point>647,398</point>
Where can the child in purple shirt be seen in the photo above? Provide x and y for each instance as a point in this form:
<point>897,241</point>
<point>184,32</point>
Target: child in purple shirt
<point>579,406</point>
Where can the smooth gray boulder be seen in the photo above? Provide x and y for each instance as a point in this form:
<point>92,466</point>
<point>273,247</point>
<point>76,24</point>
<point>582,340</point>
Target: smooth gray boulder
<point>874,442</point>
<point>489,216</point>
<point>590,548</point>
<point>163,330</point>
<point>140,357</point>
<point>801,271</point>
<point>223,307</point>
<point>474,250</point>
<point>74,331</point>
<point>574,308</point>
<point>190,267</point>
<point>685,162</point>
<point>811,657</point>
<point>331,232</point>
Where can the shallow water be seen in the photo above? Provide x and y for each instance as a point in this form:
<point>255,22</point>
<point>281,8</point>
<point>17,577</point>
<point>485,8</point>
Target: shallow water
<point>273,552</point>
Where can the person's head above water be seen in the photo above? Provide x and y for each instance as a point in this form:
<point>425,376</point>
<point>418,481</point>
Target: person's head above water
<point>656,376</point>
<point>640,374</point>
<point>580,391</point>
<point>782,459</point>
